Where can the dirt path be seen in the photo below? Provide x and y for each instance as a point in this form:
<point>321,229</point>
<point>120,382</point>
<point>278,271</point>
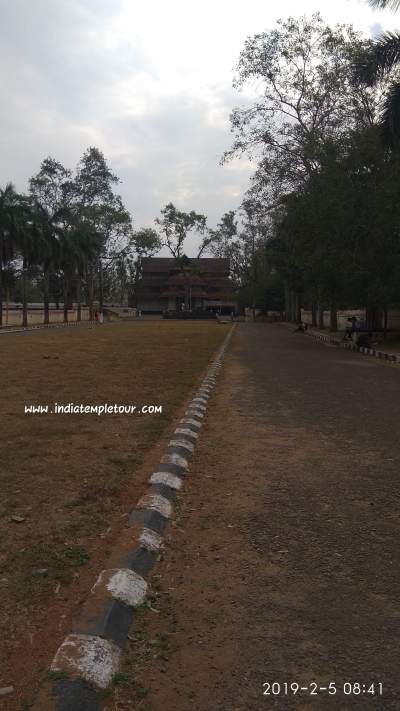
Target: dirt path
<point>284,560</point>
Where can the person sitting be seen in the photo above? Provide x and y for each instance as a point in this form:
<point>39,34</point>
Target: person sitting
<point>301,328</point>
<point>364,340</point>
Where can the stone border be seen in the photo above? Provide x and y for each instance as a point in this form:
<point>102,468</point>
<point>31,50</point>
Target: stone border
<point>89,657</point>
<point>22,329</point>
<point>388,357</point>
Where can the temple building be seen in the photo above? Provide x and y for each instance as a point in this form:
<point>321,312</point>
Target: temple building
<point>200,285</point>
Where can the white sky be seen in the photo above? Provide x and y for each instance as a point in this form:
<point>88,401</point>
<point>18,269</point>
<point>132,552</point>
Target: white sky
<point>147,82</point>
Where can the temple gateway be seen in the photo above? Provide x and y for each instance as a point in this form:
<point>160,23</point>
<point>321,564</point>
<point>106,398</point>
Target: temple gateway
<point>193,285</point>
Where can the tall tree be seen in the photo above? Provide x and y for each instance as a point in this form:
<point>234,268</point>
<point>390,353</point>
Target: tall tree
<point>52,192</point>
<point>28,243</point>
<point>47,234</point>
<point>98,207</point>
<point>174,226</point>
<point>308,96</point>
<point>145,243</point>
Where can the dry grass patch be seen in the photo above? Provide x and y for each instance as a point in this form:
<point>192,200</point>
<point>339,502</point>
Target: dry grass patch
<point>63,477</point>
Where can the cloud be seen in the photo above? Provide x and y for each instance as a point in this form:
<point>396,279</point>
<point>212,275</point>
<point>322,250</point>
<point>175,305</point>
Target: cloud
<point>177,158</point>
<point>148,83</point>
<point>376,30</point>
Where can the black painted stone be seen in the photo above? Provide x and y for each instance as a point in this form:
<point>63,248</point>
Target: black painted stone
<point>186,437</point>
<point>190,425</point>
<point>149,518</point>
<point>163,490</point>
<point>141,560</point>
<point>112,623</point>
<point>179,450</point>
<point>75,695</point>
<point>193,412</point>
<point>171,469</point>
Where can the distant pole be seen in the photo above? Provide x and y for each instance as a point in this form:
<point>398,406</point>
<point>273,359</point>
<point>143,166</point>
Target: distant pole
<point>253,252</point>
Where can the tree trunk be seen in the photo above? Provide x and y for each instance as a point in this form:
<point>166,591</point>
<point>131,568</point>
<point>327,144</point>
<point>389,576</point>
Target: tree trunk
<point>314,314</point>
<point>287,303</point>
<point>65,286</point>
<point>78,299</point>
<point>90,293</point>
<point>46,300</point>
<point>333,318</point>
<point>374,318</point>
<point>101,291</point>
<point>298,307</point>
<point>293,306</point>
<point>1,284</point>
<point>7,303</point>
<point>321,316</point>
<point>24,301</point>
<point>385,321</point>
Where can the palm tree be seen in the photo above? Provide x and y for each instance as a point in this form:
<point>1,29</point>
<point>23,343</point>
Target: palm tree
<point>79,248</point>
<point>28,244</point>
<point>48,233</point>
<point>9,202</point>
<point>383,59</point>
<point>385,4</point>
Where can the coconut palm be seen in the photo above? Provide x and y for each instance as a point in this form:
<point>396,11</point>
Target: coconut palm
<point>79,246</point>
<point>382,62</point>
<point>385,4</point>
<point>87,243</point>
<point>48,249</point>
<point>9,226</point>
<point>28,245</point>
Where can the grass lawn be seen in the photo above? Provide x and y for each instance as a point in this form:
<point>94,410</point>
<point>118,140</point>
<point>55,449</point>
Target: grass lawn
<point>67,478</point>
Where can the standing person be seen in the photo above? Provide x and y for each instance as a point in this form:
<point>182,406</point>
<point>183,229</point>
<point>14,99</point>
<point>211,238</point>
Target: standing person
<point>96,315</point>
<point>100,317</point>
<point>352,329</point>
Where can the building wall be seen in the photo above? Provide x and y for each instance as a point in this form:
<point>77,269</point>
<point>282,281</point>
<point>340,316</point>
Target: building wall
<point>36,316</point>
<point>148,304</point>
<point>393,318</point>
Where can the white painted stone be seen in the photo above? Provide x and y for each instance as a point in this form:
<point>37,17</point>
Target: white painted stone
<point>191,421</point>
<point>150,539</point>
<point>200,403</point>
<point>194,411</point>
<point>186,431</point>
<point>6,690</point>
<point>182,443</point>
<point>127,586</point>
<point>175,459</point>
<point>94,659</point>
<point>124,585</point>
<point>156,502</point>
<point>197,409</point>
<point>171,480</point>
